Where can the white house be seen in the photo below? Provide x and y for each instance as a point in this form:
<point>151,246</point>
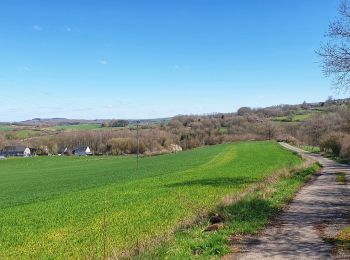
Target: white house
<point>64,151</point>
<point>82,151</point>
<point>19,150</point>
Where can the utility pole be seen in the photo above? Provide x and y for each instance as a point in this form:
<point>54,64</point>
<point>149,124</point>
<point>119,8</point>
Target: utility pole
<point>138,143</point>
<point>186,141</point>
<point>175,142</point>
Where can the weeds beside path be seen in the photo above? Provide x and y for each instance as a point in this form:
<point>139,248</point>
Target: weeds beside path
<point>309,228</point>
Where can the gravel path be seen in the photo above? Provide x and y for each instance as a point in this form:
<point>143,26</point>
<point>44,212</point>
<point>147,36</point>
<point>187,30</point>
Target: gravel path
<point>317,213</point>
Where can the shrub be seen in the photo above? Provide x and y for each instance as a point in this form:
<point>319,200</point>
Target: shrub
<point>287,138</point>
<point>345,148</point>
<point>332,143</point>
<point>118,146</point>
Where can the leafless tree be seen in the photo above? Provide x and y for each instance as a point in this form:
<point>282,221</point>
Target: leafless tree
<point>335,54</point>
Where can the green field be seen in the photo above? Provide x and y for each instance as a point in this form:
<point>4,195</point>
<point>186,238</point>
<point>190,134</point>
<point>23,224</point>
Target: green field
<point>13,132</point>
<point>19,134</point>
<point>296,118</point>
<point>6,127</point>
<point>71,207</point>
<point>83,127</point>
<point>248,216</point>
<point>79,127</point>
<point>300,116</point>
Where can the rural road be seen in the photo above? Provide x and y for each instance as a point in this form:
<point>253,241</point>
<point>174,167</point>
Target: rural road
<point>319,210</point>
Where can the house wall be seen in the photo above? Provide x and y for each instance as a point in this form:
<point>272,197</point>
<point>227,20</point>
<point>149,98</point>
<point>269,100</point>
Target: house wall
<point>26,152</point>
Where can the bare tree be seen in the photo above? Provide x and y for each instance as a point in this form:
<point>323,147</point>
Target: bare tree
<point>335,54</point>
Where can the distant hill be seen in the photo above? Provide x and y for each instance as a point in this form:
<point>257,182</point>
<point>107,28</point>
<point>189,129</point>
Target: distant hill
<point>66,121</point>
<point>56,122</point>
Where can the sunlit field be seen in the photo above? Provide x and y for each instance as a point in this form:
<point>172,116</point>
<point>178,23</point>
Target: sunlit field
<point>69,207</point>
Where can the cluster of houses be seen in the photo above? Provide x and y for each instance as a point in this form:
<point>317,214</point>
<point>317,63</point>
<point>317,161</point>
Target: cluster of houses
<point>78,151</point>
<point>24,151</point>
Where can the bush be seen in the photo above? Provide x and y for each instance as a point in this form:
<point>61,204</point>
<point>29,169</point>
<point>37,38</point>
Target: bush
<point>119,146</point>
<point>345,148</point>
<point>332,143</point>
<point>287,139</point>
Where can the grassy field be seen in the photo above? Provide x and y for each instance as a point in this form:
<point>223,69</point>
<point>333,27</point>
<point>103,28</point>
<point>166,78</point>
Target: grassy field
<point>79,127</point>
<point>246,217</point>
<point>19,134</point>
<point>296,118</point>
<point>300,116</point>
<point>12,132</point>
<point>6,127</point>
<point>83,127</point>
<point>74,207</point>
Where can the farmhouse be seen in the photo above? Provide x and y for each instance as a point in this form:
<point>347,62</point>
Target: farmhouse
<point>82,151</point>
<point>19,151</point>
<point>64,151</point>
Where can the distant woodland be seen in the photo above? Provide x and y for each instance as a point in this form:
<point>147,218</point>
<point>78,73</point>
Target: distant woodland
<point>323,126</point>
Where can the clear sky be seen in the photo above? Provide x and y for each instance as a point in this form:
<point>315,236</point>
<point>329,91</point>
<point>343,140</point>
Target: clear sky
<point>158,58</point>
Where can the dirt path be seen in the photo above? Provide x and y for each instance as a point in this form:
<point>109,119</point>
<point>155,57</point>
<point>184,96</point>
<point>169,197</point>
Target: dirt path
<point>316,214</point>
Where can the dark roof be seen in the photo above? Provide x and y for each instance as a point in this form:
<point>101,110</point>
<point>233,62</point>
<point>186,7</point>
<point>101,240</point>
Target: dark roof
<point>65,150</point>
<point>17,149</point>
<point>80,149</point>
<point>62,149</point>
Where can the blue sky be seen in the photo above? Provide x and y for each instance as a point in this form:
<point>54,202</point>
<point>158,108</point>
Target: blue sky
<point>159,58</point>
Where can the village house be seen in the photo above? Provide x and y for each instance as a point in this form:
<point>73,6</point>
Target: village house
<point>82,151</point>
<point>18,151</point>
<point>64,151</point>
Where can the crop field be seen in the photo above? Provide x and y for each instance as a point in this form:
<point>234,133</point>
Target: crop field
<point>301,116</point>
<point>21,133</point>
<point>75,127</point>
<point>82,127</point>
<point>296,118</point>
<point>6,127</point>
<point>83,207</point>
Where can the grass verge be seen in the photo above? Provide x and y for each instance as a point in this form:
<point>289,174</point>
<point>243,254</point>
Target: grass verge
<point>311,149</point>
<point>343,239</point>
<point>247,213</point>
